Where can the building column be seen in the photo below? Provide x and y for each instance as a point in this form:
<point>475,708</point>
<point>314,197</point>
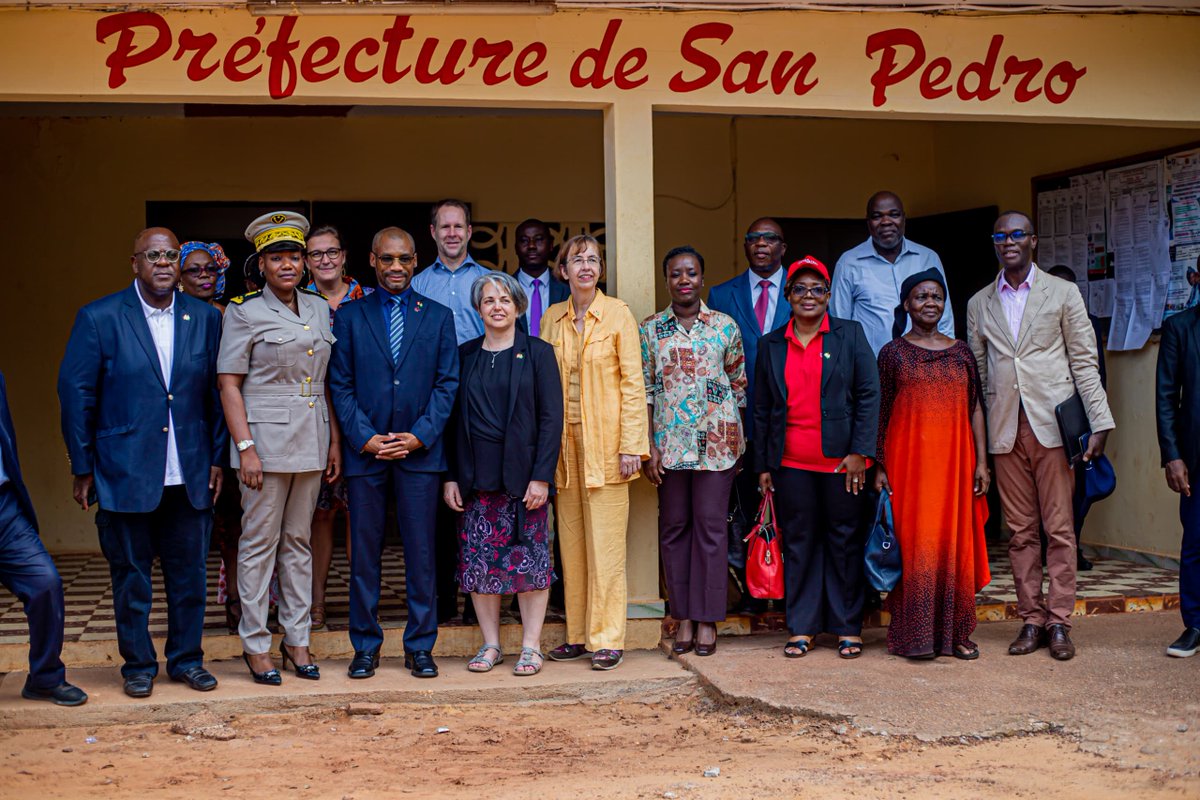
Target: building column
<point>629,242</point>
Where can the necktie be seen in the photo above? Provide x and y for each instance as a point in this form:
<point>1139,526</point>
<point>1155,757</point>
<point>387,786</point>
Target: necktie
<point>535,308</point>
<point>396,329</point>
<point>760,305</point>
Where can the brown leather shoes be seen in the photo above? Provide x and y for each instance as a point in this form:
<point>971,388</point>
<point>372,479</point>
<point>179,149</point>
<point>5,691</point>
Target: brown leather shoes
<point>1029,639</point>
<point>1061,648</point>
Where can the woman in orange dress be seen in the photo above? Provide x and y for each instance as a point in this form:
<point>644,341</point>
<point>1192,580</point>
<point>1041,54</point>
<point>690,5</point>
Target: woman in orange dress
<point>932,444</point>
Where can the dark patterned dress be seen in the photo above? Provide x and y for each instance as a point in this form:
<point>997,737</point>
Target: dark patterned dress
<point>503,549</point>
<point>928,451</point>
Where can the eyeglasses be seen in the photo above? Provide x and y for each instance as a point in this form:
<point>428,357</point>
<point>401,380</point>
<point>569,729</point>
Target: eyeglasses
<point>591,261</point>
<point>154,256</point>
<point>317,256</point>
<point>799,290</point>
<point>406,260</point>
<point>207,269</point>
<point>770,237</point>
<point>1017,236</point>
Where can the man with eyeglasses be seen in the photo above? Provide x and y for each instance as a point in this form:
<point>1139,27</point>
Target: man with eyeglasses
<point>754,299</point>
<point>867,278</point>
<point>393,377</point>
<point>1035,348</point>
<point>146,439</point>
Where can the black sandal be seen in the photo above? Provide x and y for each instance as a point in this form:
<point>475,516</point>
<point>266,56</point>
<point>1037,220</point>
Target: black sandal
<point>797,649</point>
<point>846,648</point>
<point>969,654</point>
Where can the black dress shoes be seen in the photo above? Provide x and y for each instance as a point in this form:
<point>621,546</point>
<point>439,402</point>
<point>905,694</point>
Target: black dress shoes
<point>198,678</point>
<point>62,695</point>
<point>364,664</point>
<point>139,685</point>
<point>421,663</point>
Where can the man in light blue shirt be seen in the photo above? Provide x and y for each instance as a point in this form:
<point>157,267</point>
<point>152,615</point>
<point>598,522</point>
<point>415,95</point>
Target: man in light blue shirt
<point>866,280</point>
<point>448,279</point>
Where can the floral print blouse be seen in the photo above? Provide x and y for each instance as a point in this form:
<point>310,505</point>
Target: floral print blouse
<point>696,381</point>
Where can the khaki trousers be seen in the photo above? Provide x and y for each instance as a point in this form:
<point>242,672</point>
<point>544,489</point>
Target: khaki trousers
<point>592,524</point>
<point>1036,487</point>
<point>276,526</point>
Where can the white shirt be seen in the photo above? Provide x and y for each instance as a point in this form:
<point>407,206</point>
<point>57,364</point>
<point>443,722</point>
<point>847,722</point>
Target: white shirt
<point>526,281</point>
<point>162,331</point>
<point>773,292</point>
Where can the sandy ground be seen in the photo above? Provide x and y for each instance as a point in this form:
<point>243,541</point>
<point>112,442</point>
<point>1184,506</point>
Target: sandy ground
<point>650,745</point>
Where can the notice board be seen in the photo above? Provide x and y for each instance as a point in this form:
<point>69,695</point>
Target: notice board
<point>1129,230</point>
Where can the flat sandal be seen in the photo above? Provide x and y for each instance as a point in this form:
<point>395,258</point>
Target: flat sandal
<point>485,663</point>
<point>527,659</point>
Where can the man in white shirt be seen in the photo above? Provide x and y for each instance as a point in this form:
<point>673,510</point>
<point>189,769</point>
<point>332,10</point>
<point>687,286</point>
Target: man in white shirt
<point>146,439</point>
<point>867,278</point>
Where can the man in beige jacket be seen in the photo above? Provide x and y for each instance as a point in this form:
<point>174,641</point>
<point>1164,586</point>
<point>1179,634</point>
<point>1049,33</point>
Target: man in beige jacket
<point>1035,347</point>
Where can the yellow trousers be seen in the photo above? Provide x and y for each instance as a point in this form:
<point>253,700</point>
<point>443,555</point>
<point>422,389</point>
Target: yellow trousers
<point>592,524</point>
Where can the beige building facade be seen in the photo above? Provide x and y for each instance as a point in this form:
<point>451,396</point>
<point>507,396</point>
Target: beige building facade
<point>668,128</point>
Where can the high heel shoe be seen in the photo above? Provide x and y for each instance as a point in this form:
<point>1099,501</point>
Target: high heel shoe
<point>271,677</point>
<point>307,671</point>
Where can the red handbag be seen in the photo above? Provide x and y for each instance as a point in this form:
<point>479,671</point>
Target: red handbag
<point>764,562</point>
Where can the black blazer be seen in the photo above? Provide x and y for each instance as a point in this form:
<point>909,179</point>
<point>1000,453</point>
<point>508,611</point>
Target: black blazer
<point>535,418</point>
<point>1177,391</point>
<point>849,395</point>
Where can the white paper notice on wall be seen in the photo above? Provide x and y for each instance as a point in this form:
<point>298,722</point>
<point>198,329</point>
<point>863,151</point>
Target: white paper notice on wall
<point>1101,295</point>
<point>1138,238</point>
<point>1183,198</point>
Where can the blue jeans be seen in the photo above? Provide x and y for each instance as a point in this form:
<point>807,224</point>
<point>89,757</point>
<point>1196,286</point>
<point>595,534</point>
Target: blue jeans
<point>1189,560</point>
<point>27,570</point>
<point>416,495</point>
<point>179,535</point>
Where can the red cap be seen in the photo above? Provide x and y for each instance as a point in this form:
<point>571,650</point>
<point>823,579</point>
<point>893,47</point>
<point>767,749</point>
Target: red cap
<point>811,264</point>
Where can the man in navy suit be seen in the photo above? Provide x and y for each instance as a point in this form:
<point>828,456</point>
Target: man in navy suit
<point>27,570</point>
<point>533,245</point>
<point>754,299</point>
<point>146,438</point>
<point>393,377</point>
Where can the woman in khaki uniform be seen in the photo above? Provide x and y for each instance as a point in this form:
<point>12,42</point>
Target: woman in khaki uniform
<point>605,439</point>
<point>275,347</point>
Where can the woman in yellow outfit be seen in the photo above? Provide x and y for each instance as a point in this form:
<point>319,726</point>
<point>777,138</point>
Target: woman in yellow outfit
<point>605,439</point>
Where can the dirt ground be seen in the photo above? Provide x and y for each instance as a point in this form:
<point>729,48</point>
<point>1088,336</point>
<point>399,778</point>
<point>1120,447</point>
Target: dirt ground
<point>647,746</point>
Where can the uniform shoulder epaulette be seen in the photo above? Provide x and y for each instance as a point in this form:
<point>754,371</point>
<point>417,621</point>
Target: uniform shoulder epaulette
<point>313,292</point>
<point>241,298</point>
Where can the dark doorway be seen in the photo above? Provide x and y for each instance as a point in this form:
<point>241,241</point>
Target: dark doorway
<point>962,240</point>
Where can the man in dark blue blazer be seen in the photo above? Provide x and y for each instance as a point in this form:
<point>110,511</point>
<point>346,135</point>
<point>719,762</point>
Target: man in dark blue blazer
<point>146,438</point>
<point>1178,414</point>
<point>27,571</point>
<point>533,245</point>
<point>754,299</point>
<point>393,377</point>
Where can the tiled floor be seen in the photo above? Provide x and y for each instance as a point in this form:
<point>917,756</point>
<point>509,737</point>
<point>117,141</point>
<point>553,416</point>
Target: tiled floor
<point>1113,586</point>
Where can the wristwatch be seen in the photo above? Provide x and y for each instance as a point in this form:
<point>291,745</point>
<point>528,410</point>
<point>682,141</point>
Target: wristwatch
<point>244,445</point>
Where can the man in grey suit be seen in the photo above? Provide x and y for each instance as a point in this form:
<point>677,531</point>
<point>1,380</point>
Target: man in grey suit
<point>1035,348</point>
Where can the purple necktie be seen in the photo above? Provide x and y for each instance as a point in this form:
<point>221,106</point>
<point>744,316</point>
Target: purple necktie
<point>535,308</point>
<point>760,305</point>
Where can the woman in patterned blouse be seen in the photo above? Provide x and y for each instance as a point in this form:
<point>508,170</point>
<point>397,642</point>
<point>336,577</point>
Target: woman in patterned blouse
<point>695,376</point>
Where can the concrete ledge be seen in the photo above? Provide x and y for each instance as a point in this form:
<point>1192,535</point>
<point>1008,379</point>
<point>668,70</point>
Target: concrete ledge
<point>453,641</point>
<point>643,672</point>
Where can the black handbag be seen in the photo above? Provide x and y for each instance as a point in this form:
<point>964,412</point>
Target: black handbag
<point>738,526</point>
<point>881,561</point>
